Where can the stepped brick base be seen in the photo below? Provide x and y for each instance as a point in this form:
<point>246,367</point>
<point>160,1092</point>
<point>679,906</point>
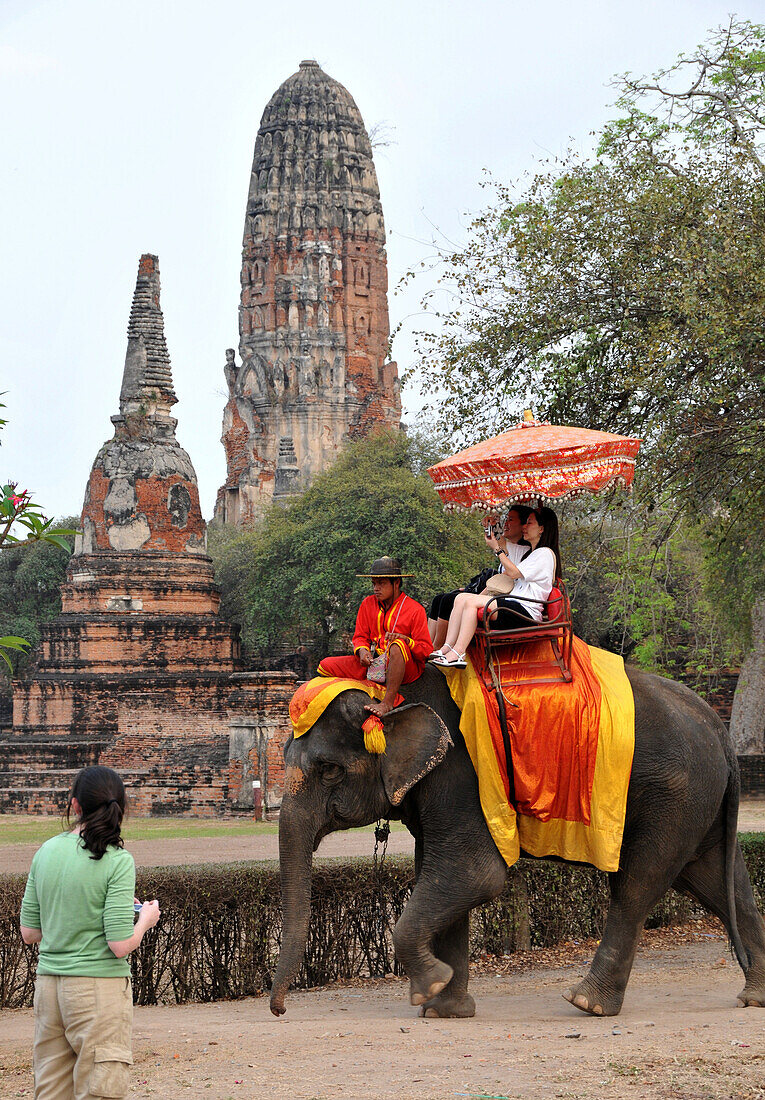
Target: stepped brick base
<point>139,673</point>
<point>184,744</point>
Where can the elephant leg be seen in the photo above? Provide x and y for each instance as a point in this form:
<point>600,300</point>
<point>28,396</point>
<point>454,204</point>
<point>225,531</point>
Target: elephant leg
<point>453,1001</point>
<point>438,913</point>
<point>633,895</point>
<point>427,974</point>
<point>704,879</point>
<point>452,945</point>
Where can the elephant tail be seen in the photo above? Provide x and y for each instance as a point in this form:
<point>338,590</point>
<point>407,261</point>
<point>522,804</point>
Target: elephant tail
<point>732,797</point>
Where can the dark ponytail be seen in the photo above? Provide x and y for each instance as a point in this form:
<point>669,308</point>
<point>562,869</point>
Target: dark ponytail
<point>101,795</point>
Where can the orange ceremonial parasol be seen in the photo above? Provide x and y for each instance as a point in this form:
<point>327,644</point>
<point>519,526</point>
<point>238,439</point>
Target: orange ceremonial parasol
<point>534,462</point>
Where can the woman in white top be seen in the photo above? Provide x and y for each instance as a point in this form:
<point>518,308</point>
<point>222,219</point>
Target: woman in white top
<point>534,575</point>
<point>509,542</point>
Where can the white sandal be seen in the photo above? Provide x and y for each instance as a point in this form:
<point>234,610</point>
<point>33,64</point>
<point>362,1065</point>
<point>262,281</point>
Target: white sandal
<point>458,662</point>
<point>440,654</point>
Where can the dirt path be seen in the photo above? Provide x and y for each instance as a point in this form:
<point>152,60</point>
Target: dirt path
<point>228,849</point>
<point>679,1035</point>
<point>15,858</point>
<point>207,849</point>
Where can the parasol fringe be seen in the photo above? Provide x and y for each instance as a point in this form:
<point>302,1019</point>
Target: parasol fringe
<point>543,464</point>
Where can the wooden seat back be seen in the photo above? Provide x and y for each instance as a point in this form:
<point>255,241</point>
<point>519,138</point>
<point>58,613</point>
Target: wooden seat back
<point>556,626</point>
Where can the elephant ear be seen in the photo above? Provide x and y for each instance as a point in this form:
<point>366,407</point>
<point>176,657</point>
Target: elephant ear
<point>417,741</point>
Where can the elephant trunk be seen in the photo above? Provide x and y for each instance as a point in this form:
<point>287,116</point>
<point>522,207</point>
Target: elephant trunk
<point>296,836</point>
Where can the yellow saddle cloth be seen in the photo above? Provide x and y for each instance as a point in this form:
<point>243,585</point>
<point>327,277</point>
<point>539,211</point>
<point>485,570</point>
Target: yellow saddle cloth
<point>572,747</point>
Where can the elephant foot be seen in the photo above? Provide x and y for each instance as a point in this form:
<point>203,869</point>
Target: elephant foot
<point>449,1006</point>
<point>588,998</point>
<point>753,993</point>
<point>429,983</point>
<point>751,998</point>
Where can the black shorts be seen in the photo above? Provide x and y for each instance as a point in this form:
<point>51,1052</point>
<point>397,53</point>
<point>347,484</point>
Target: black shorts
<point>510,613</point>
<point>442,605</point>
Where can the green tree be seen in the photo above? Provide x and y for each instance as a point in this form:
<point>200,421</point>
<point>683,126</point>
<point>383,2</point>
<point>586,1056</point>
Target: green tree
<point>626,292</point>
<point>649,602</point>
<point>19,512</point>
<point>293,581</point>
<point>30,581</point>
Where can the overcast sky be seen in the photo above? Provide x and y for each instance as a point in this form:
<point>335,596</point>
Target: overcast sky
<point>129,128</point>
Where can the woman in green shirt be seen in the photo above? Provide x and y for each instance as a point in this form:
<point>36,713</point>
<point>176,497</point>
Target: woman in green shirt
<point>79,906</point>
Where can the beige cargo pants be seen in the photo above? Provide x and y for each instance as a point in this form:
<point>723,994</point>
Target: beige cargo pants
<point>83,1037</point>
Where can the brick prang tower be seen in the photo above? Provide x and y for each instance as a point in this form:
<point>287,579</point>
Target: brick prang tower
<point>139,671</point>
<point>313,314</point>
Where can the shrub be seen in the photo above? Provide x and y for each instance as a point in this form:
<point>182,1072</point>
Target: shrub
<point>221,925</point>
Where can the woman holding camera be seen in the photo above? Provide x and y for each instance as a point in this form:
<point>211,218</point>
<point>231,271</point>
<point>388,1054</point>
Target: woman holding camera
<point>534,575</point>
<point>79,905</point>
<point>510,542</point>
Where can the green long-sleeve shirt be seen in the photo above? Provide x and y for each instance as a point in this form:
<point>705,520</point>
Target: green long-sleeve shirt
<point>79,904</point>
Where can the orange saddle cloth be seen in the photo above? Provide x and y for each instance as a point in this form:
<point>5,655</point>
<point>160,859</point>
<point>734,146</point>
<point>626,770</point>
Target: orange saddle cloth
<point>572,746</point>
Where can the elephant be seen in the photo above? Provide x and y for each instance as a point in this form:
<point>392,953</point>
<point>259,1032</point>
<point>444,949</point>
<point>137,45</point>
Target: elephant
<point>680,830</point>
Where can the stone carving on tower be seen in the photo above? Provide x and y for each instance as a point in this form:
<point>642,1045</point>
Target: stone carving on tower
<point>313,314</point>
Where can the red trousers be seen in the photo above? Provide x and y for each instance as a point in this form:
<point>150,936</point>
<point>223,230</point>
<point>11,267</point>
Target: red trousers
<point>351,668</point>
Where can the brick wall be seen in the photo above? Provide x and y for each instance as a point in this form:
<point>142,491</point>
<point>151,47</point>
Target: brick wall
<point>184,744</point>
<point>752,776</point>
<point>717,689</point>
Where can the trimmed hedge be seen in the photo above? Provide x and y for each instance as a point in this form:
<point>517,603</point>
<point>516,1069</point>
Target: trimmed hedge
<point>221,925</point>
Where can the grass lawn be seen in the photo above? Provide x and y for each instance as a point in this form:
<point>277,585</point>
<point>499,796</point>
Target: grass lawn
<point>24,829</point>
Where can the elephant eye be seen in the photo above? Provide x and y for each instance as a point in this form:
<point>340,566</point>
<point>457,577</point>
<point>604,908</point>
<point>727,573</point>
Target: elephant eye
<point>331,773</point>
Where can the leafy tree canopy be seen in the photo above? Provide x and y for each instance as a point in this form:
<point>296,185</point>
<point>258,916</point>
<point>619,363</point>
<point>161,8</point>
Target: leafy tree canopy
<point>293,580</point>
<point>626,291</point>
<point>651,603</point>
<point>30,578</point>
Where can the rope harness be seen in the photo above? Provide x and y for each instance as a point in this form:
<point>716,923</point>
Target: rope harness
<point>382,832</point>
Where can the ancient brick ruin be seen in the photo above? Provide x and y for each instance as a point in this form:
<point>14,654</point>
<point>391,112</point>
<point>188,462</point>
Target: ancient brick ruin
<point>313,314</point>
<point>139,671</point>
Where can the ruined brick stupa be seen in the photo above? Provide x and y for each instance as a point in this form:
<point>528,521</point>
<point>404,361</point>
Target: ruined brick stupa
<point>142,495</point>
<point>313,314</point>
<point>139,671</point>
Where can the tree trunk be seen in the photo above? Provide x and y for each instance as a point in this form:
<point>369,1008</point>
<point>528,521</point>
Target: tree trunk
<point>521,933</point>
<point>747,720</point>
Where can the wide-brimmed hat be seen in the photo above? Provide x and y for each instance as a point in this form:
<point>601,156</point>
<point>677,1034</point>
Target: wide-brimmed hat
<point>385,567</point>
